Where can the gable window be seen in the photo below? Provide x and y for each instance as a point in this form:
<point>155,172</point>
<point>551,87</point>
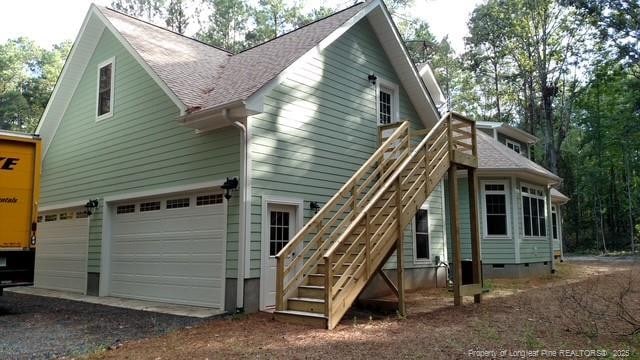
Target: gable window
<point>513,146</point>
<point>105,89</point>
<point>387,102</point>
<point>533,212</point>
<point>422,235</point>
<point>496,209</point>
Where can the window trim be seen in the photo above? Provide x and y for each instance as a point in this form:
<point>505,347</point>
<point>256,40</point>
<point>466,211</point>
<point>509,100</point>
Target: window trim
<point>513,143</point>
<point>111,61</point>
<point>538,197</point>
<point>395,100</point>
<point>554,235</point>
<point>417,260</point>
<point>483,202</point>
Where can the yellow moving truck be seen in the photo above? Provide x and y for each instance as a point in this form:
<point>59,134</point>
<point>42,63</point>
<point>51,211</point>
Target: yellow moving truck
<point>19,192</point>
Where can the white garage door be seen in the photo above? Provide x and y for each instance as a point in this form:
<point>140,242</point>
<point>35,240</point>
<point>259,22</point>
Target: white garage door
<point>61,251</point>
<point>170,249</point>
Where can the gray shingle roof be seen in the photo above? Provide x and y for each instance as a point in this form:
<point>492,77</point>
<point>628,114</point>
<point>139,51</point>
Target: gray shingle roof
<point>248,71</point>
<point>187,66</point>
<point>492,155</point>
<point>203,76</point>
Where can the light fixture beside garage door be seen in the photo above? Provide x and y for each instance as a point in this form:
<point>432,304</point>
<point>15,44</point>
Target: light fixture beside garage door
<point>91,205</point>
<point>230,184</point>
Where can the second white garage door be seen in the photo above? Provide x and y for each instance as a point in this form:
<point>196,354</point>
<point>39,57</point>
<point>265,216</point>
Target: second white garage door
<point>61,250</point>
<point>170,249</point>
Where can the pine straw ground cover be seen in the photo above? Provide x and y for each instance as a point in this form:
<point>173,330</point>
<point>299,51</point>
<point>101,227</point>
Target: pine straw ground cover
<point>594,306</point>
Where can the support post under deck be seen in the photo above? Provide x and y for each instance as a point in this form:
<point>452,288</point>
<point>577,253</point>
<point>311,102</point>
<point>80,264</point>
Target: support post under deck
<point>400,250</point>
<point>455,233</point>
<point>475,234</point>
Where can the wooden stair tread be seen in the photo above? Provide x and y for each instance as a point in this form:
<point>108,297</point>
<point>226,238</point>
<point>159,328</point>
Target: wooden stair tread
<point>319,287</point>
<point>307,299</point>
<point>300,313</point>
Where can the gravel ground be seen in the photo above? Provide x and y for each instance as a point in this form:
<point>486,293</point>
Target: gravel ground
<point>34,327</point>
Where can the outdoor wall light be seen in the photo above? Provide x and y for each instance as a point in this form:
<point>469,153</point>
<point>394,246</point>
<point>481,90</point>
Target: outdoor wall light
<point>230,184</point>
<point>91,205</point>
<point>313,205</point>
<point>373,78</point>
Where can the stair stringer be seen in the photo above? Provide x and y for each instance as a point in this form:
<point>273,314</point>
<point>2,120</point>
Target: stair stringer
<point>336,310</point>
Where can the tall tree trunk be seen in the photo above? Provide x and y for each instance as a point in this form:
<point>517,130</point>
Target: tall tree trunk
<point>495,80</point>
<point>627,171</point>
<point>551,156</point>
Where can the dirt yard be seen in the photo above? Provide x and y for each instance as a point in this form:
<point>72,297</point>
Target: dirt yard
<point>586,306</point>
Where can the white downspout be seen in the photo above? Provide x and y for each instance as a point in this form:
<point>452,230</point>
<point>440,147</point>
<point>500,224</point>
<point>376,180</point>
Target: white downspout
<point>242,231</point>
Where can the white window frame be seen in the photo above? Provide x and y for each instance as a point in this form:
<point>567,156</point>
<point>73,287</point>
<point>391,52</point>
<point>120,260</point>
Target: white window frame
<point>554,211</point>
<point>546,215</point>
<point>417,260</point>
<point>395,100</point>
<point>514,144</point>
<point>111,61</point>
<point>483,200</point>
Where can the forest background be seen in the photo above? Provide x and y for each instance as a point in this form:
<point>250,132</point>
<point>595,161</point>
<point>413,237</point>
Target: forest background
<point>566,71</point>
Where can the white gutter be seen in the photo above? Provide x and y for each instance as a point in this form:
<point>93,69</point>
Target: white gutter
<point>245,203</point>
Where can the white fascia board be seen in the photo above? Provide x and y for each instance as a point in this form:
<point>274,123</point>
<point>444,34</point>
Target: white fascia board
<point>520,173</point>
<point>48,125</point>
<point>426,73</point>
<point>255,102</point>
<point>74,69</point>
<point>420,90</point>
<point>140,60</point>
<point>65,69</point>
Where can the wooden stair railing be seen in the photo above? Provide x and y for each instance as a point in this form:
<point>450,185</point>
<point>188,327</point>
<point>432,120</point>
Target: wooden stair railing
<point>335,265</point>
<point>300,256</point>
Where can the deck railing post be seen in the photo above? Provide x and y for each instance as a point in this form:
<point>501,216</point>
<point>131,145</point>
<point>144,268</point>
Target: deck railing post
<point>279,283</point>
<point>367,244</point>
<point>328,288</point>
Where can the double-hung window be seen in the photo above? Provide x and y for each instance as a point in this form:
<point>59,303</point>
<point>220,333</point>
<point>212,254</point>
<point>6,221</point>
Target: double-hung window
<point>422,248</point>
<point>533,212</point>
<point>496,209</point>
<point>105,89</point>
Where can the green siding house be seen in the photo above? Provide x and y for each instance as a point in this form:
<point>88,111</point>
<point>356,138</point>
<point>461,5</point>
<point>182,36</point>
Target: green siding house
<point>175,171</point>
<point>154,125</point>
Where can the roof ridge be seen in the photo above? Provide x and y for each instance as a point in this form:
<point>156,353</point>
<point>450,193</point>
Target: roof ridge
<point>165,29</point>
<point>299,28</point>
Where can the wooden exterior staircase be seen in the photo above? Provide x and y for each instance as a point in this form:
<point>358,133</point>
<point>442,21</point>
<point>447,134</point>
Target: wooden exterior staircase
<point>327,264</point>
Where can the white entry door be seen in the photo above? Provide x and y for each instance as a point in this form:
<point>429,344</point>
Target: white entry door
<point>281,225</point>
<point>61,250</point>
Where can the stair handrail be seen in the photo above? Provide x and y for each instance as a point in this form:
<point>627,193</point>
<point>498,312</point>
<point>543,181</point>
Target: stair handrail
<point>455,137</point>
<point>385,187</point>
<point>298,239</point>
